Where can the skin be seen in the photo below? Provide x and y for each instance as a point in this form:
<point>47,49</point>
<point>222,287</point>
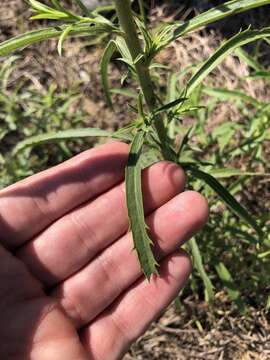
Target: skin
<point>71,286</point>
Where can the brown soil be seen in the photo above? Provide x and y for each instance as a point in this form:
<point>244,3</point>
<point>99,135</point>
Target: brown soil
<point>225,335</point>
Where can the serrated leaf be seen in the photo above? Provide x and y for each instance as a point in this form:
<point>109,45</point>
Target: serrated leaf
<point>226,196</point>
<point>67,135</point>
<point>106,58</point>
<point>142,242</point>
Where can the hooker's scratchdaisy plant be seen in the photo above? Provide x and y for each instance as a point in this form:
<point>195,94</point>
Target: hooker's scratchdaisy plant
<point>153,131</point>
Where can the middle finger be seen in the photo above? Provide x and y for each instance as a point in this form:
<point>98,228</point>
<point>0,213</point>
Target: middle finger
<point>72,241</point>
<point>86,294</point>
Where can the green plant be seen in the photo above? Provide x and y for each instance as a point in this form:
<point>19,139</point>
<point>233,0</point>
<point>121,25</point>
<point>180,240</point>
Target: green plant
<point>23,107</point>
<point>157,115</point>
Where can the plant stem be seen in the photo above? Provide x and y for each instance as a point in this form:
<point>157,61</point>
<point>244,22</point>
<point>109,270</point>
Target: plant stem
<point>124,12</point>
<point>142,11</point>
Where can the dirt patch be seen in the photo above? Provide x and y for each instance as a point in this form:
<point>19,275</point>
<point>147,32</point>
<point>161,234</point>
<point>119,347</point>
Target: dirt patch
<point>225,335</point>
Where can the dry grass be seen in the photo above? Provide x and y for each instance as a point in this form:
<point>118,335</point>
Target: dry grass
<point>226,336</point>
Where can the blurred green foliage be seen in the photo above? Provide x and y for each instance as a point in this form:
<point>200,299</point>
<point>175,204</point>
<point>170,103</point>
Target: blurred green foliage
<point>26,111</point>
<point>229,256</point>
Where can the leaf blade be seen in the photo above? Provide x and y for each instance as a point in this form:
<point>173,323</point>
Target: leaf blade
<point>67,135</point>
<point>198,262</point>
<point>106,58</point>
<point>62,38</point>
<point>35,36</point>
<point>224,50</point>
<point>217,13</point>
<point>226,196</point>
<point>229,285</point>
<point>231,172</point>
<point>231,95</point>
<point>142,242</point>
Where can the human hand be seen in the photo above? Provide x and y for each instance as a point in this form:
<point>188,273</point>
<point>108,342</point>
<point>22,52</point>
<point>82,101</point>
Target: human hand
<point>71,286</point>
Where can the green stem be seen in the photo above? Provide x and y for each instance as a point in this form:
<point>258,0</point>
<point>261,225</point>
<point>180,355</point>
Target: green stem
<point>124,12</point>
<point>142,11</point>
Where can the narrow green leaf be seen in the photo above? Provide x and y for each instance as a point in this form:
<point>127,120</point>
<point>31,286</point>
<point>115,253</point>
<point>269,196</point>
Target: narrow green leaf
<point>249,60</point>
<point>225,276</point>
<point>103,8</point>
<point>142,242</point>
<point>38,6</point>
<point>217,13</point>
<point>224,134</point>
<point>32,37</point>
<point>123,49</point>
<point>46,12</point>
<point>170,105</point>
<point>125,92</point>
<point>142,11</point>
<point>229,172</point>
<point>225,195</point>
<point>106,58</point>
<point>228,47</point>
<point>51,16</point>
<point>267,305</point>
<point>231,95</point>
<point>229,284</point>
<point>140,108</point>
<point>198,263</point>
<point>67,135</point>
<point>82,7</point>
<point>62,38</point>
<point>185,140</point>
<point>57,5</point>
<point>242,234</point>
<point>259,75</point>
<point>264,254</point>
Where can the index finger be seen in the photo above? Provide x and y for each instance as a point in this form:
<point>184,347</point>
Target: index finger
<point>31,205</point>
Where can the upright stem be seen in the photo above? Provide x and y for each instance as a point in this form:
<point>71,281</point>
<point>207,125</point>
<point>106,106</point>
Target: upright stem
<point>142,11</point>
<point>124,12</point>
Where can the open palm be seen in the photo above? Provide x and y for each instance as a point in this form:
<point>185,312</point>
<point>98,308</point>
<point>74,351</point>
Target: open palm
<point>71,286</point>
